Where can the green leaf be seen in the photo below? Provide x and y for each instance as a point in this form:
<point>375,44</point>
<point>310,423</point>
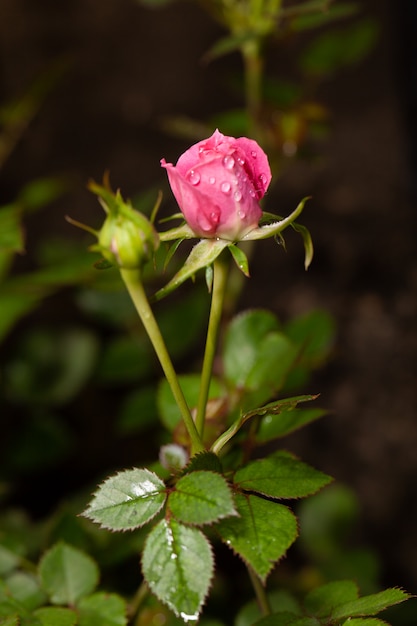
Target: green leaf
<point>322,601</point>
<point>67,574</point>
<point>315,14</point>
<point>12,620</point>
<point>102,609</point>
<point>315,333</point>
<point>271,230</point>
<point>241,346</point>
<point>201,498</point>
<point>261,535</point>
<point>25,589</point>
<point>204,253</point>
<point>240,259</point>
<point>280,475</point>
<point>308,243</point>
<point>11,233</point>
<point>273,408</point>
<point>177,564</point>
<point>127,500</point>
<point>204,461</point>
<point>337,48</point>
<point>190,385</point>
<point>286,619</point>
<point>56,616</point>
<point>275,357</point>
<point>276,425</point>
<point>370,605</point>
<point>365,621</point>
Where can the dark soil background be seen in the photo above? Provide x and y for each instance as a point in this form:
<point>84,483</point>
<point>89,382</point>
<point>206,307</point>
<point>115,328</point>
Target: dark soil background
<point>126,67</point>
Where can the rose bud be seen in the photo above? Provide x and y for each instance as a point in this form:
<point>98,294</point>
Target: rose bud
<point>218,184</point>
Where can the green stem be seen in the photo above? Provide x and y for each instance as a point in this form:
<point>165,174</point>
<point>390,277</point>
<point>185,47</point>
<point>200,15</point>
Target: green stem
<point>260,593</point>
<point>134,285</point>
<point>217,299</point>
<point>253,66</point>
<point>138,598</point>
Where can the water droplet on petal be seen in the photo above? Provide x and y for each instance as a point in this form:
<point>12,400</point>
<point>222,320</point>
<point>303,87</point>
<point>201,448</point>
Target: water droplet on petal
<point>228,162</point>
<point>262,179</point>
<point>241,161</point>
<point>253,154</point>
<point>194,177</point>
<point>241,214</point>
<point>212,180</point>
<point>215,217</point>
<point>237,195</point>
<point>225,187</point>
<point>252,193</point>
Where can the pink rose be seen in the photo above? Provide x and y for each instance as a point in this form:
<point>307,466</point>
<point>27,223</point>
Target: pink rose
<point>218,183</point>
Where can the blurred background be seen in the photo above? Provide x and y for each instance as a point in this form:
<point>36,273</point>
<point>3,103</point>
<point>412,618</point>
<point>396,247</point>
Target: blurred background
<point>89,86</point>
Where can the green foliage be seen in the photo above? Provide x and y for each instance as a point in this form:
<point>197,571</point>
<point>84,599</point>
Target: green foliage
<point>178,566</point>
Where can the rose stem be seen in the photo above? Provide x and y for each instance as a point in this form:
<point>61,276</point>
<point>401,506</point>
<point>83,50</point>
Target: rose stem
<point>260,593</point>
<point>136,291</point>
<point>217,299</point>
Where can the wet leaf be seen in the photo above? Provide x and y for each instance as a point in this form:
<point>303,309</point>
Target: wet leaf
<point>127,500</point>
<point>201,498</point>
<point>177,564</point>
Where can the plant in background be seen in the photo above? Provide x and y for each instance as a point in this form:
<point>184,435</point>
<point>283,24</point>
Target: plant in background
<point>220,477</point>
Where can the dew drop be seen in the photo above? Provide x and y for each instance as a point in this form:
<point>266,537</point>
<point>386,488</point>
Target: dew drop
<point>252,193</point>
<point>241,214</point>
<point>262,179</point>
<point>228,162</point>
<point>194,177</point>
<point>241,161</point>
<point>212,180</point>
<point>237,195</point>
<point>253,154</point>
<point>225,187</point>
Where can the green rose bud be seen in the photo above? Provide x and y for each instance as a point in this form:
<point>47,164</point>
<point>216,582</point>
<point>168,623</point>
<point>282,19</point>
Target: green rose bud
<point>127,238</point>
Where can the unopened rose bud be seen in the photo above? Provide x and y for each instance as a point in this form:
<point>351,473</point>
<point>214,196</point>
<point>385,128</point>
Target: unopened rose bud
<point>218,184</point>
<point>127,239</point>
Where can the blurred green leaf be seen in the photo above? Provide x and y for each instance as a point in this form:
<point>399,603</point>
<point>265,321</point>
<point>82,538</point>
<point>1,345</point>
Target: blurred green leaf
<point>67,574</point>
<point>11,231</point>
<point>177,564</point>
<point>50,366</point>
<point>24,588</point>
<point>242,340</point>
<point>126,359</point>
<point>168,409</point>
<point>56,616</point>
<point>102,609</point>
<point>316,14</point>
<point>339,48</point>
<point>322,601</point>
<point>138,411</point>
